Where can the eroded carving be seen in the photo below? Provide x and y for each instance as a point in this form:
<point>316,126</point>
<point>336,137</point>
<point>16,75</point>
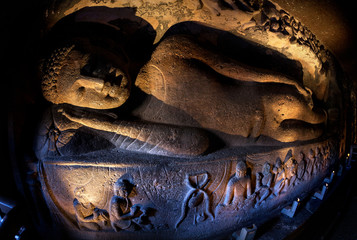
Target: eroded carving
<point>196,200</point>
<point>301,168</point>
<point>123,214</point>
<point>290,167</point>
<point>310,168</point>
<point>239,187</point>
<point>279,177</point>
<point>88,216</point>
<point>263,184</point>
<point>270,182</point>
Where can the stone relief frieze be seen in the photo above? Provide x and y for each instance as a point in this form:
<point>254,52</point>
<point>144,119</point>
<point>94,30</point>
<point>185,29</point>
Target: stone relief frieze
<point>206,197</point>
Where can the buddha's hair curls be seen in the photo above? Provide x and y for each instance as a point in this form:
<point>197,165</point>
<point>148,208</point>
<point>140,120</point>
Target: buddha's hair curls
<point>49,71</point>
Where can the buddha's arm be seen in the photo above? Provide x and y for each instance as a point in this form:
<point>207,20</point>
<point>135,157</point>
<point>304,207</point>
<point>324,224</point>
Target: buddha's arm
<point>173,140</point>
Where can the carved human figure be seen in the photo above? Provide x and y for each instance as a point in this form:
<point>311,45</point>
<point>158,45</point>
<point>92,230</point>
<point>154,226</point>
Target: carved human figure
<point>290,168</point>
<point>121,211</point>
<point>238,187</point>
<point>279,177</point>
<point>300,172</point>
<point>319,163</point>
<point>264,183</point>
<point>207,91</point>
<point>326,157</point>
<point>71,76</point>
<point>310,164</point>
<point>88,216</point>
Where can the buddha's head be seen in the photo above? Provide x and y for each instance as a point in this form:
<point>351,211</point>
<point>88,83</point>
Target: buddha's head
<point>91,79</point>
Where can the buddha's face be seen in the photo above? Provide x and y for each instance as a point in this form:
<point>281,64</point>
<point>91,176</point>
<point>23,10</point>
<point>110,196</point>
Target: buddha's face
<point>90,81</point>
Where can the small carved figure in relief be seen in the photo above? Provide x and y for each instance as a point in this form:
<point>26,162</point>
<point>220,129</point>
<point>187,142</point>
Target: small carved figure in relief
<point>300,172</point>
<point>196,199</point>
<point>263,184</point>
<point>88,216</point>
<point>319,160</point>
<point>290,168</point>
<point>279,178</point>
<point>310,165</point>
<point>326,154</point>
<point>124,215</point>
<point>239,186</point>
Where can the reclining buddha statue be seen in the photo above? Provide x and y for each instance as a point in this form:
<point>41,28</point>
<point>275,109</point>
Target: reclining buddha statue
<point>181,119</point>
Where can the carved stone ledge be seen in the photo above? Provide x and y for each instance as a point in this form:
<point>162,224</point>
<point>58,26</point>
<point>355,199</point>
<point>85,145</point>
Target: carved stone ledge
<point>176,196</point>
